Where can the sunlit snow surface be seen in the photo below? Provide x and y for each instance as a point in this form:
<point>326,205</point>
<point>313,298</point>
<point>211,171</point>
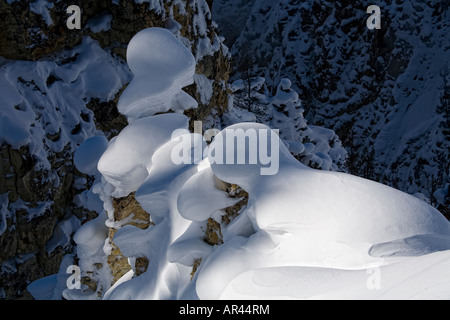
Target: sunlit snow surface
<point>305,233</point>
<point>310,218</point>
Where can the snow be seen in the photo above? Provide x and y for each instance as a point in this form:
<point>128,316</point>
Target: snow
<point>11,265</point>
<point>140,159</point>
<point>33,108</point>
<point>191,202</point>
<point>43,288</point>
<point>38,209</point>
<point>206,86</point>
<point>413,246</point>
<point>52,287</point>
<point>312,145</point>
<point>304,233</point>
<point>41,7</point>
<point>88,154</point>
<point>190,246</point>
<point>62,235</point>
<point>425,277</point>
<point>14,123</point>
<point>156,5</point>
<point>89,200</point>
<point>161,66</point>
<point>90,239</point>
<point>154,193</point>
<point>158,196</point>
<point>323,219</point>
<point>91,251</point>
<point>124,163</point>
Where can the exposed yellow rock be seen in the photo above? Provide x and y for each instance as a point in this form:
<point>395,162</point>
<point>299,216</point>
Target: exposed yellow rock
<point>197,263</point>
<point>213,231</point>
<point>140,265</point>
<point>127,208</point>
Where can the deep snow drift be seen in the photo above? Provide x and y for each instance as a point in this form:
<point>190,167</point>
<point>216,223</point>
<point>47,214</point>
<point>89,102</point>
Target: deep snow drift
<point>304,233</point>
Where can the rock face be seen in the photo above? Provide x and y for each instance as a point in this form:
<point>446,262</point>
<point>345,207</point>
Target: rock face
<point>40,189</point>
<point>32,207</point>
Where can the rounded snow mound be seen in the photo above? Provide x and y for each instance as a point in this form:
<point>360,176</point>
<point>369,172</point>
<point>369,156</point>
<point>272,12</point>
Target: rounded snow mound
<point>88,153</point>
<point>161,65</point>
<point>126,161</point>
<point>308,217</point>
<point>299,200</point>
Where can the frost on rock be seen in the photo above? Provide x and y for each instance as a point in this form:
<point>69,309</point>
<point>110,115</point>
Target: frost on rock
<point>162,66</point>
